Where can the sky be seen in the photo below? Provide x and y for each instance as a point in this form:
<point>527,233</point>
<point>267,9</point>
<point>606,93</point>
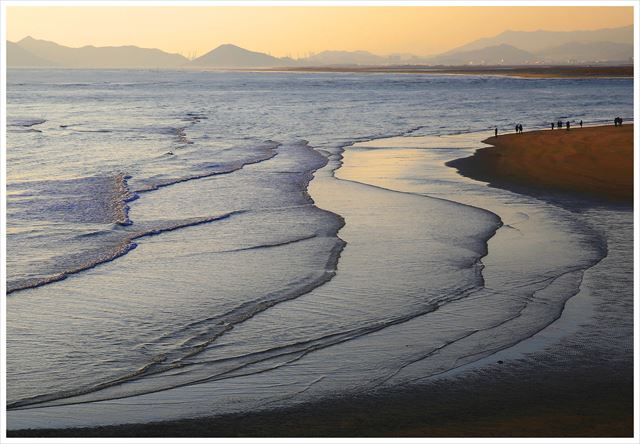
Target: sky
<point>297,31</point>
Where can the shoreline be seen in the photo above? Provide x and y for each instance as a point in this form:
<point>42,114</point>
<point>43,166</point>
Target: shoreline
<point>498,399</point>
<point>594,162</point>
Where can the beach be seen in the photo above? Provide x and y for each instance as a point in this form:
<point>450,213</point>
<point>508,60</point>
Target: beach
<point>590,161</point>
<point>299,260</point>
<point>564,380</point>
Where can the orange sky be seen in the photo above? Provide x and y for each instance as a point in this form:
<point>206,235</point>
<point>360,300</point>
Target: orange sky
<point>296,31</point>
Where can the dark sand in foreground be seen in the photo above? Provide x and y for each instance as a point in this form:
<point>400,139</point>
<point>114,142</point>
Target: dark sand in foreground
<point>514,399</point>
<point>593,162</point>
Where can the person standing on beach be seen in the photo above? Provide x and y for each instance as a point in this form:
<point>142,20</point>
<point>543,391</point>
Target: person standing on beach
<point>496,132</point>
<point>581,124</point>
<point>552,125</point>
<point>559,124</point>
<point>521,128</point>
<point>517,128</point>
<point>568,125</point>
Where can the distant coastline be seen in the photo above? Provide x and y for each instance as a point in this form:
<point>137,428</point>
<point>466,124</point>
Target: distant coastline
<point>537,72</point>
<point>625,71</point>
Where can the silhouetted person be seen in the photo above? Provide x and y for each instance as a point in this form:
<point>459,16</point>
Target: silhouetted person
<point>620,121</point>
<point>517,128</point>
<point>559,124</point>
<point>521,128</point>
<point>552,126</point>
<point>568,125</point>
<point>581,124</point>
<point>496,132</point>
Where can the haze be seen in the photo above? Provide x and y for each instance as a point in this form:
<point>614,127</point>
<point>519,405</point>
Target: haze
<point>297,31</point>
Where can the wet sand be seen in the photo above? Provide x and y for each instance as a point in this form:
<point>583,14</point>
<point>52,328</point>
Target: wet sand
<point>593,162</point>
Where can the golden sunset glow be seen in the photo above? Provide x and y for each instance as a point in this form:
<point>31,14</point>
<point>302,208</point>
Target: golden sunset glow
<point>297,31</point>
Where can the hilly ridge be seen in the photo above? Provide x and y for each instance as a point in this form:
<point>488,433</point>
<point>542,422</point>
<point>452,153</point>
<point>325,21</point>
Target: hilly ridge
<point>492,55</point>
<point>534,41</point>
<point>96,57</point>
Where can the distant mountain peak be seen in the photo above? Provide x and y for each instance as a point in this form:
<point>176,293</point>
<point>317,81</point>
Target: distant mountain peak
<point>230,46</point>
<point>232,56</point>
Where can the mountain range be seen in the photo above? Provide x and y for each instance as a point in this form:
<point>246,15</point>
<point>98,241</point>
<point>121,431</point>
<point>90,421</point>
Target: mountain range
<point>51,54</point>
<point>611,46</point>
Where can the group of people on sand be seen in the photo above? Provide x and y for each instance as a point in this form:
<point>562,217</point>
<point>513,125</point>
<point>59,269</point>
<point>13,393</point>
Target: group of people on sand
<point>617,122</point>
<point>566,124</point>
<point>518,129</point>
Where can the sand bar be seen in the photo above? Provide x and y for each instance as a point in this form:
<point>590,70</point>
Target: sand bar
<point>592,161</point>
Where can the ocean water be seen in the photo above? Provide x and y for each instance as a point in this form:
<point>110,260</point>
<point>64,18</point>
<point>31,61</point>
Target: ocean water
<point>233,241</point>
